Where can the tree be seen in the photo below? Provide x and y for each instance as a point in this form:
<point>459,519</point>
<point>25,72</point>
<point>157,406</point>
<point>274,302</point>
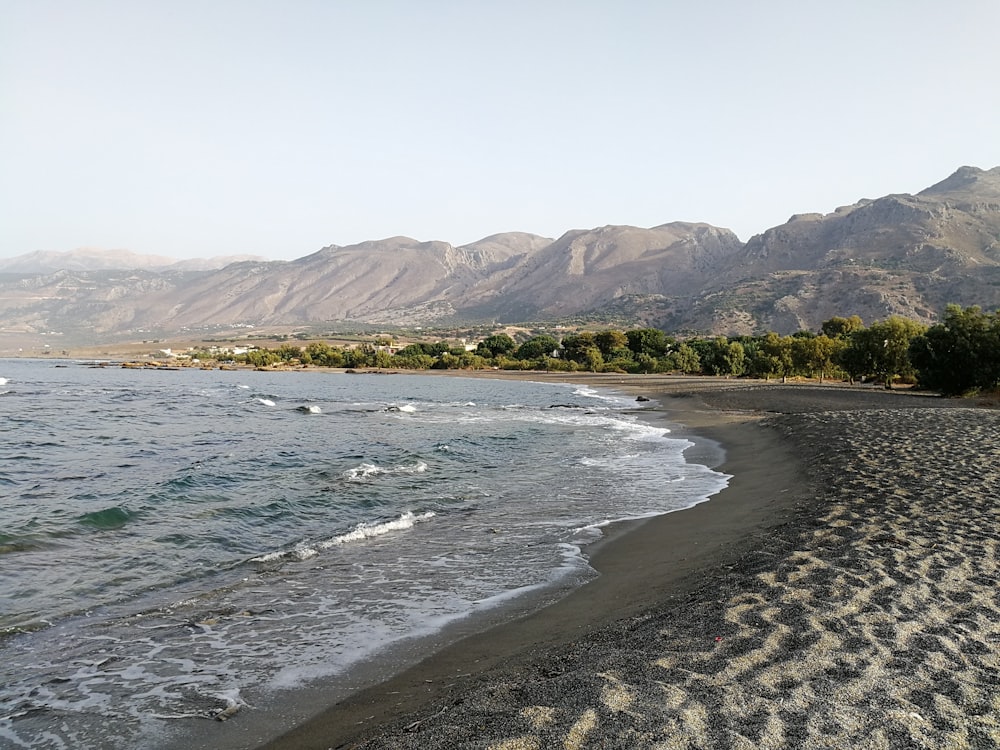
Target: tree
<point>323,355</point>
<point>412,350</point>
<point>644,363</point>
<point>576,346</point>
<point>363,355</point>
<point>720,356</point>
<point>261,357</point>
<point>961,354</point>
<point>837,327</point>
<point>288,352</point>
<point>883,350</point>
<point>495,345</point>
<point>612,344</point>
<point>774,356</point>
<point>413,361</point>
<point>682,359</point>
<point>592,359</point>
<point>650,341</point>
<point>537,347</point>
<point>731,357</point>
<point>815,354</point>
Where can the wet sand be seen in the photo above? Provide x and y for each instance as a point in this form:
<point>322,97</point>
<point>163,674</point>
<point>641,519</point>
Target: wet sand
<point>839,593</point>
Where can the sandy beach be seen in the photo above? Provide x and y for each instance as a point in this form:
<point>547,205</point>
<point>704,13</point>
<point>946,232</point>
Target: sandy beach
<point>841,592</point>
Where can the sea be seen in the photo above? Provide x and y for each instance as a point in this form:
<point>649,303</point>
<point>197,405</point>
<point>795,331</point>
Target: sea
<point>178,546</point>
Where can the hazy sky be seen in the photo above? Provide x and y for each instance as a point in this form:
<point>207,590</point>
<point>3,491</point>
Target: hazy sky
<point>215,127</point>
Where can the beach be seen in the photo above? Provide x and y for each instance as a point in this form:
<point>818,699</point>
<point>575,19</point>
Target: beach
<point>840,592</point>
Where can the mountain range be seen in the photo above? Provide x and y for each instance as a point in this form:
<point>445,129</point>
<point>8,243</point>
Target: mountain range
<point>898,254</point>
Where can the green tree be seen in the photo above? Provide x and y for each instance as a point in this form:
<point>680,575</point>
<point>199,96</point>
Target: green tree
<point>961,354</point>
<point>593,360</point>
<point>363,355</point>
<point>731,357</point>
<point>720,356</point>
<point>644,363</point>
<point>683,358</point>
<point>649,341</point>
<point>774,356</point>
<point>321,354</point>
<point>575,347</point>
<point>837,327</point>
<point>413,361</point>
<point>496,345</point>
<point>261,357</point>
<point>288,352</point>
<point>413,350</point>
<point>883,350</point>
<point>613,344</point>
<point>824,354</point>
<point>815,355</point>
<point>537,347</point>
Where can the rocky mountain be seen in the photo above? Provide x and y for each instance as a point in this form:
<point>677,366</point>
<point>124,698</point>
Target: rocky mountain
<point>899,254</point>
<point>586,270</point>
<point>905,254</point>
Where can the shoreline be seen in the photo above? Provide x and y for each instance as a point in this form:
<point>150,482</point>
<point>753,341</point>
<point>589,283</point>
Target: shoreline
<point>676,553</point>
<point>840,591</point>
<point>852,605</point>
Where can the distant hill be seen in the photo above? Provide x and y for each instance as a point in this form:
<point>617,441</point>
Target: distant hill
<point>903,254</point>
<point>94,259</point>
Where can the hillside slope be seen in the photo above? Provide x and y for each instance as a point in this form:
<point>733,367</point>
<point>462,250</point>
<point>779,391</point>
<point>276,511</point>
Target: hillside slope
<point>898,254</point>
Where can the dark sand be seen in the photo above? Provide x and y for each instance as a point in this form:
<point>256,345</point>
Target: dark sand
<point>749,620</point>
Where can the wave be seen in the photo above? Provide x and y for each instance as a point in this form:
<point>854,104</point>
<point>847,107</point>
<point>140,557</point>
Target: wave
<point>360,532</point>
<point>366,530</point>
<point>368,471</point>
<point>309,409</point>
<point>106,519</point>
<point>407,408</point>
<point>588,392</point>
<point>265,401</point>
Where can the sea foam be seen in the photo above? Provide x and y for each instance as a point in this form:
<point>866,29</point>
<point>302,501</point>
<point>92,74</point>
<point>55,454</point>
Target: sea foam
<point>369,471</point>
<point>360,532</point>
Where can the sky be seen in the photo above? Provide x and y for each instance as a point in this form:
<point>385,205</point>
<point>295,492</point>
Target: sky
<point>278,127</point>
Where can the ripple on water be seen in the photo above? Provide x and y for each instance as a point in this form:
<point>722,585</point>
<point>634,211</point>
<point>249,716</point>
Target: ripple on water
<point>108,518</point>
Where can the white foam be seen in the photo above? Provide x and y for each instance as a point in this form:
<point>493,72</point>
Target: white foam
<point>368,471</point>
<point>270,557</point>
<point>265,401</point>
<point>365,530</point>
<point>407,408</point>
<point>587,392</point>
<point>360,532</point>
<point>4,381</point>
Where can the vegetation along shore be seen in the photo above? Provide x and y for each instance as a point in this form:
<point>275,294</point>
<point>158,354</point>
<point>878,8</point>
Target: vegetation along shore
<point>958,355</point>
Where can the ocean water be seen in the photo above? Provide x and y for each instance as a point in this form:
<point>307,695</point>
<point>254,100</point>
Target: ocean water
<point>178,543</point>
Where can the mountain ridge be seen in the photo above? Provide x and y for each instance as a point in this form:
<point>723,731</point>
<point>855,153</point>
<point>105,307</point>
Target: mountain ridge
<point>896,254</point>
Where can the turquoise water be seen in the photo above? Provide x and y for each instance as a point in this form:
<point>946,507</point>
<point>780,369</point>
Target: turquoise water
<point>174,542</point>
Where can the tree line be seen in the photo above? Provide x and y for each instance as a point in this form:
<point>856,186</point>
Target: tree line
<point>958,355</point>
